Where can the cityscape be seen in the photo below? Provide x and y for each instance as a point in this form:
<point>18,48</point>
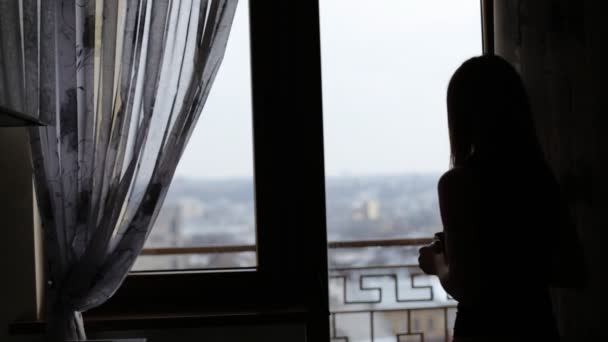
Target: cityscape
<point>221,212</point>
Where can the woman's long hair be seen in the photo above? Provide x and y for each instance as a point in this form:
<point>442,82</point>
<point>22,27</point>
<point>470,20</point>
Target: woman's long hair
<point>489,112</point>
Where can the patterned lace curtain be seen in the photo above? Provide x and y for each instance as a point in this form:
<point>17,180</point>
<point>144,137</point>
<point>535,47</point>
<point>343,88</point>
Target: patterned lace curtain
<point>122,85</point>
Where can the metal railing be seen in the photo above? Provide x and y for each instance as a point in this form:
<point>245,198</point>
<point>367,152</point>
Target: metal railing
<point>389,303</point>
<point>252,248</point>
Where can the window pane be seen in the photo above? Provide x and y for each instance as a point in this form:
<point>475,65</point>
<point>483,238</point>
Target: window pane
<point>386,67</point>
<point>211,199</point>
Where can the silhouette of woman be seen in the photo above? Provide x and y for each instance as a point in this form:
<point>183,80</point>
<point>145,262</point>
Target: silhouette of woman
<point>503,217</point>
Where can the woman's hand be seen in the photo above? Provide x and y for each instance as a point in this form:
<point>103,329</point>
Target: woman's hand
<point>431,258</point>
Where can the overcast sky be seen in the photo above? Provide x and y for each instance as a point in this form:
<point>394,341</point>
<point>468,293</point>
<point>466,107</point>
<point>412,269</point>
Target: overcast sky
<point>386,65</point>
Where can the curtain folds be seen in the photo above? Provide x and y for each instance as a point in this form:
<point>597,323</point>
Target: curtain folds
<point>122,85</point>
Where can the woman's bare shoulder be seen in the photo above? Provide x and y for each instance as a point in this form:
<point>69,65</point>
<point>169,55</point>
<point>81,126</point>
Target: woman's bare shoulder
<point>457,178</point>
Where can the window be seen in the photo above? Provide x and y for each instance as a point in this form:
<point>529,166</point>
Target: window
<point>366,230</point>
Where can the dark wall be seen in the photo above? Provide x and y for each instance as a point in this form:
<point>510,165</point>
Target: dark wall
<point>18,282</point>
<point>561,50</point>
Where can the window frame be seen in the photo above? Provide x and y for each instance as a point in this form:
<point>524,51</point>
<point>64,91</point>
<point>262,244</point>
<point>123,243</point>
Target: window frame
<point>291,273</point>
<point>487,26</point>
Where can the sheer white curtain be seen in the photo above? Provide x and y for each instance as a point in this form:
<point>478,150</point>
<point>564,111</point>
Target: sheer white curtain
<point>121,84</point>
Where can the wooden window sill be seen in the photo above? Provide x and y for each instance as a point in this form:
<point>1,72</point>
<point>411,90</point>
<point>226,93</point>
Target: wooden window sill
<point>160,322</point>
